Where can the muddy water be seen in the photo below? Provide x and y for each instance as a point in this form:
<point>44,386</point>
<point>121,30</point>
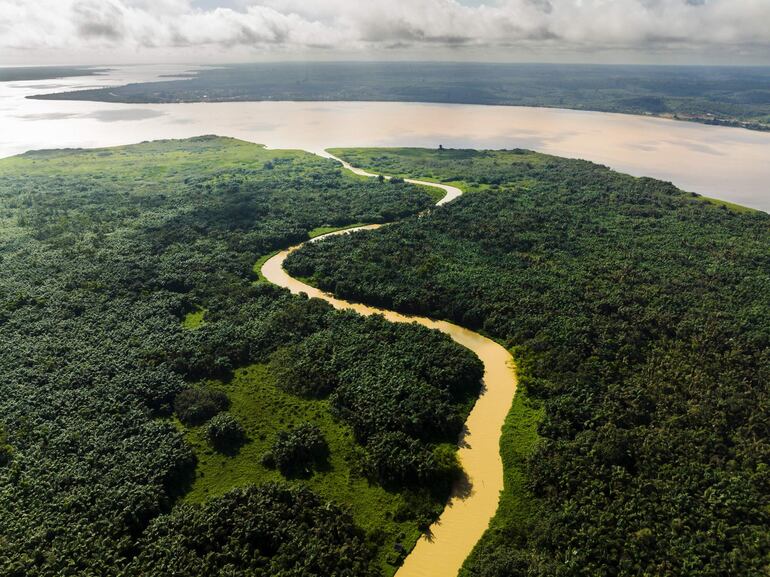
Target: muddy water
<point>452,192</point>
<point>728,163</point>
<point>474,501</point>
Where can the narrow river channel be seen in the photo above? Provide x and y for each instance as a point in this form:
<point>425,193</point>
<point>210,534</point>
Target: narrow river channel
<point>441,552</point>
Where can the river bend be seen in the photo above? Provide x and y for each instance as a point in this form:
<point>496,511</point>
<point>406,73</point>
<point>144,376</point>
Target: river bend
<point>442,551</point>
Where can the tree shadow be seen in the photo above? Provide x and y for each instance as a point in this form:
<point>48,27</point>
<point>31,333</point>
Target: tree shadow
<point>462,439</point>
<point>232,449</point>
<point>462,488</point>
<point>180,482</point>
<point>308,470</point>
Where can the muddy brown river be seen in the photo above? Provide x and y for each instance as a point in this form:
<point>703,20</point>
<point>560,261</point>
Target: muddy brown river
<point>441,552</point>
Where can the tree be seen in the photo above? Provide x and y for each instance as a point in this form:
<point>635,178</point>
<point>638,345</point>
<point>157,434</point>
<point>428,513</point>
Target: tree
<point>225,433</point>
<point>197,405</point>
<point>300,450</point>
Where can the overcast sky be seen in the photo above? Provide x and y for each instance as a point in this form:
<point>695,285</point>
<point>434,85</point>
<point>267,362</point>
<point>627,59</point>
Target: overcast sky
<point>212,31</point>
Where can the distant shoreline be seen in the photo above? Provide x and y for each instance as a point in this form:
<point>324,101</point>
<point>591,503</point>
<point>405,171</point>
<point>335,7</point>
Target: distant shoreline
<point>31,73</point>
<point>734,97</point>
<point>707,121</point>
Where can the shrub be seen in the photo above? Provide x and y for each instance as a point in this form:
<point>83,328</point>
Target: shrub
<point>268,460</point>
<point>300,450</point>
<point>197,405</point>
<point>225,433</point>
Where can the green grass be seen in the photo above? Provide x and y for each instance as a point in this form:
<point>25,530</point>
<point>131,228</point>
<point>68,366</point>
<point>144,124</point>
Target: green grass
<point>421,163</point>
<point>168,159</point>
<point>321,230</point>
<point>194,319</point>
<point>728,205</point>
<point>519,439</point>
<point>264,410</point>
<point>257,268</point>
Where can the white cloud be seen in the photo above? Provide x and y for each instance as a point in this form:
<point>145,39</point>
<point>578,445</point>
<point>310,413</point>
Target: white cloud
<point>259,27</point>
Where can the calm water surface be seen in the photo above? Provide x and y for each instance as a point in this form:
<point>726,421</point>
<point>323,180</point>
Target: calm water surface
<point>727,163</point>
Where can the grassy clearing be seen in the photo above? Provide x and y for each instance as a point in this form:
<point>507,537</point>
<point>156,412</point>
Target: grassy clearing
<point>263,409</point>
<point>165,159</point>
<point>194,319</point>
<point>321,230</point>
<point>728,205</point>
<point>428,164</point>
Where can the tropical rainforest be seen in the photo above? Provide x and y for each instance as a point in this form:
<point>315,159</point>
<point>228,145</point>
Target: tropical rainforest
<point>639,317</point>
<point>164,411</point>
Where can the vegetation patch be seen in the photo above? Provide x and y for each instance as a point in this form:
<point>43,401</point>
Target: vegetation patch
<point>298,451</point>
<point>641,326</point>
<point>197,405</point>
<point>195,319</point>
<point>273,529</point>
<point>225,433</point>
<point>109,257</point>
<point>264,410</point>
<point>322,230</point>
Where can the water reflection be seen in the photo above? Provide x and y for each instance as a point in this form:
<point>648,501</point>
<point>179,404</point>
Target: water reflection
<point>728,163</point>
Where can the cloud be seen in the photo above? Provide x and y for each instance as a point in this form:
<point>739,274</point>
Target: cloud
<point>286,26</point>
<point>95,19</point>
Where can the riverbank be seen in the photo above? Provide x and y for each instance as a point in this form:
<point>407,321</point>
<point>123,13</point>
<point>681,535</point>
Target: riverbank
<point>474,501</point>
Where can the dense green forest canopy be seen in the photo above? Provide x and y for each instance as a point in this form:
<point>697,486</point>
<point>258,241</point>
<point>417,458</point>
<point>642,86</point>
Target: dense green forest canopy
<point>639,316</point>
<point>734,96</point>
<point>106,255</point>
<point>267,531</point>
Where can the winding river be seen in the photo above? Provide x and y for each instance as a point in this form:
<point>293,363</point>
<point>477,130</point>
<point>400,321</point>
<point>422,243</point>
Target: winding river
<point>441,552</point>
<point>728,163</point>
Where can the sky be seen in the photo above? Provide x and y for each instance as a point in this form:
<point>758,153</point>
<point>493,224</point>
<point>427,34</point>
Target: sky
<point>221,31</point>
